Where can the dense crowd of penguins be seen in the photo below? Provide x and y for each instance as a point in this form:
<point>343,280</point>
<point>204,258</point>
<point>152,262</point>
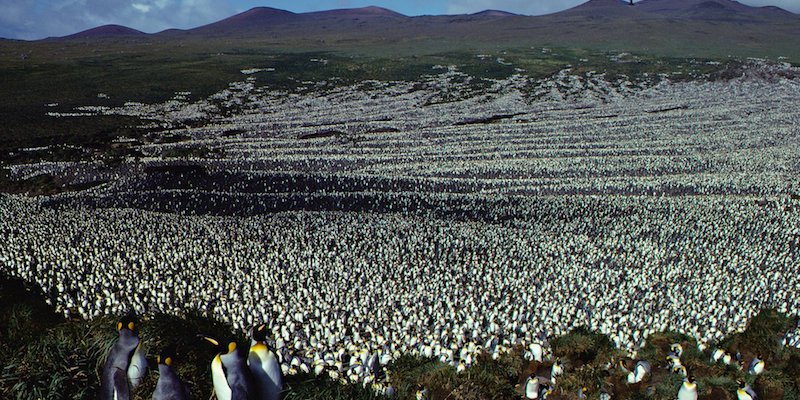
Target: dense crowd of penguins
<point>624,219</point>
<point>374,286</point>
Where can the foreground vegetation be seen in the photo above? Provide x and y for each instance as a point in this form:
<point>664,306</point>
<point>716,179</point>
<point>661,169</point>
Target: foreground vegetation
<point>46,357</point>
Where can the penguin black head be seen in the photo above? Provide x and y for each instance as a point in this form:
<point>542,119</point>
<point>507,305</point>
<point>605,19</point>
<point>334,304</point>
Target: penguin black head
<point>260,333</point>
<point>166,356</point>
<point>690,379</point>
<point>222,346</point>
<point>128,322</point>
<point>741,383</point>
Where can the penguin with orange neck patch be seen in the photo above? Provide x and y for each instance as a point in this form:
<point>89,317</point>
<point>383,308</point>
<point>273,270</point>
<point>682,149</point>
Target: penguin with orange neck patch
<point>126,364</point>
<point>169,386</point>
<point>264,366</point>
<point>229,372</point>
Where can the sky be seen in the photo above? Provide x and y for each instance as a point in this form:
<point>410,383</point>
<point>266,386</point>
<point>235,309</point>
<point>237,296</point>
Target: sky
<point>38,19</point>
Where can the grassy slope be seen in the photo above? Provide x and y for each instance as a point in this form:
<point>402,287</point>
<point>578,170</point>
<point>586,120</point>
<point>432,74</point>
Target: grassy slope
<point>72,74</point>
<point>44,356</point>
<point>152,68</point>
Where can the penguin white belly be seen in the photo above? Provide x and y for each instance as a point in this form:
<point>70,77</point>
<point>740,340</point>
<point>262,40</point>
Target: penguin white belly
<point>221,388</point>
<point>687,392</point>
<point>538,352</point>
<point>138,366</point>
<point>532,388</point>
<point>757,368</point>
<point>264,366</point>
<point>741,394</point>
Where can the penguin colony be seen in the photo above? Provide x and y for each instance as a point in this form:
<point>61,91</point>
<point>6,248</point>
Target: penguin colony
<point>628,211</point>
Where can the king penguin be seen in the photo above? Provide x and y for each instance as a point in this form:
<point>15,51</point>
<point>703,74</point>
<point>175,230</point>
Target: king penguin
<point>264,365</point>
<point>745,392</point>
<point>125,365</point>
<point>641,369</point>
<point>169,386</point>
<point>688,390</point>
<point>677,349</point>
<point>756,365</point>
<point>230,375</point>
<point>532,387</point>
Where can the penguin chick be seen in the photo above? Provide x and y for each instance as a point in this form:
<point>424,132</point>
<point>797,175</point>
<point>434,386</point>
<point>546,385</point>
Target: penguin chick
<point>125,365</point>
<point>264,366</point>
<point>169,386</point>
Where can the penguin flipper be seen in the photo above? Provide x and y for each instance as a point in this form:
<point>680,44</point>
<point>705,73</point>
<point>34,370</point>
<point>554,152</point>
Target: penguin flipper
<point>239,393</point>
<point>121,389</point>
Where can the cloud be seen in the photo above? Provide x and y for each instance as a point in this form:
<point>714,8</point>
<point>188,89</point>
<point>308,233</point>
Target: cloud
<point>31,19</point>
<point>141,7</point>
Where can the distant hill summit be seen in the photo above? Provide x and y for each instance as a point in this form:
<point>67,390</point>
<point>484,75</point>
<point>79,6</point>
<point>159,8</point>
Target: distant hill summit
<point>600,8</point>
<point>371,11</point>
<point>494,13</point>
<point>106,31</point>
<point>266,19</point>
<point>712,10</point>
<point>258,18</point>
<point>701,10</point>
<point>678,27</point>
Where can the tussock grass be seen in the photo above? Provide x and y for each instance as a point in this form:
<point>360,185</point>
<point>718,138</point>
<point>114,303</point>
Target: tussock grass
<point>582,346</point>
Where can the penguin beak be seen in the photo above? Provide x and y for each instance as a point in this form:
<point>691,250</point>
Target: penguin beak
<point>211,340</point>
